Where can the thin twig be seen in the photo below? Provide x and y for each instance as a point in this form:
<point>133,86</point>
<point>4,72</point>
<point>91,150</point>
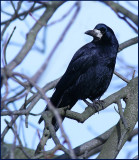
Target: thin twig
<point>63,17</point>
<point>121,77</point>
<point>125,19</point>
<point>133,76</point>
<point>121,114</point>
<point>5,46</point>
<point>117,8</point>
<point>19,140</point>
<point>52,108</point>
<point>25,13</point>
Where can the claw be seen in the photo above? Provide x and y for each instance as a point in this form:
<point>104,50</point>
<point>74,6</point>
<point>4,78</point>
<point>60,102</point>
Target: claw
<point>95,104</point>
<point>99,102</point>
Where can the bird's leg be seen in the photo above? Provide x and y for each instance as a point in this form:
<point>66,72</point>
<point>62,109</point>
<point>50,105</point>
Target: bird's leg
<point>95,104</point>
<point>91,105</point>
<point>98,102</point>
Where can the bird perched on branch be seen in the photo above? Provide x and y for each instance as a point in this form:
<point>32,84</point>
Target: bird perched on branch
<point>90,71</point>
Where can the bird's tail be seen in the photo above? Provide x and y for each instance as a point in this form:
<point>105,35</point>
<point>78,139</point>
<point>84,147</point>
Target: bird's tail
<point>41,119</point>
<point>54,99</point>
<point>58,103</point>
<point>54,121</point>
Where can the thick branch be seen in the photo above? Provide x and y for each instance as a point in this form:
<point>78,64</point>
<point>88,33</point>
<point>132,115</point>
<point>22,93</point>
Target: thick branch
<point>5,149</point>
<point>95,145</point>
<point>89,111</point>
<point>90,145</point>
<point>120,133</point>
<point>122,94</point>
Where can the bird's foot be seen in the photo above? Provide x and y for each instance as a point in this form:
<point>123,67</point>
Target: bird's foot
<point>96,104</point>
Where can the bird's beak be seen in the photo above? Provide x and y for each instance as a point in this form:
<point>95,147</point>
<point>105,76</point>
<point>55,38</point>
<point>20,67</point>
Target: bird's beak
<point>90,32</point>
<point>94,33</point>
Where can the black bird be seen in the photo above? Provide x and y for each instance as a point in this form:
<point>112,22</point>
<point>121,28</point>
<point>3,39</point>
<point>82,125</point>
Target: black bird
<point>90,71</point>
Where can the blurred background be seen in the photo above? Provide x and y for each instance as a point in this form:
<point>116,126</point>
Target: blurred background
<point>90,14</point>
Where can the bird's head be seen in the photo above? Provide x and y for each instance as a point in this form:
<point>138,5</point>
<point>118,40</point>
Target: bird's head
<point>102,33</point>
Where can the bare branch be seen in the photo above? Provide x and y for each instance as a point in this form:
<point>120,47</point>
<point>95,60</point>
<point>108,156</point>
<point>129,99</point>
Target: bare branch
<point>32,36</point>
<point>121,114</point>
<point>136,157</point>
<point>120,9</point>
<point>128,43</point>
<point>120,135</point>
<point>5,46</point>
<point>90,145</point>
<point>45,64</point>
<point>52,108</point>
<point>21,14</point>
<point>120,76</point>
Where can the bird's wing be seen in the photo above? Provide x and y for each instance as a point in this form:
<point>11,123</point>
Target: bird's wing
<point>81,61</point>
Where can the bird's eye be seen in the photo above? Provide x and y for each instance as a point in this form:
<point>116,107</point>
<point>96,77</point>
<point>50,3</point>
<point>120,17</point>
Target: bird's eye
<point>103,30</point>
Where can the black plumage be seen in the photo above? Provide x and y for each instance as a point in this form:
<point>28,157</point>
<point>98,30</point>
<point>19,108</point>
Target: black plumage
<point>90,71</point>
